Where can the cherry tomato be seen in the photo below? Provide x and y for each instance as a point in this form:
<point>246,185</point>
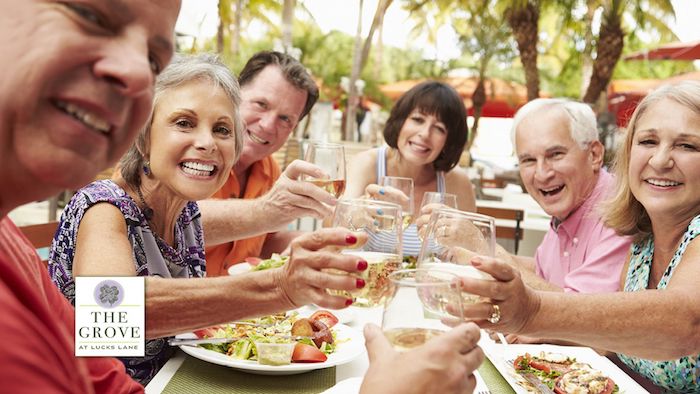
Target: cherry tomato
<point>325,317</point>
<point>304,353</point>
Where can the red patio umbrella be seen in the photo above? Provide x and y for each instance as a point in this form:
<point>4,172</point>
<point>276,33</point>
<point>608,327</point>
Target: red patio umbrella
<point>672,51</point>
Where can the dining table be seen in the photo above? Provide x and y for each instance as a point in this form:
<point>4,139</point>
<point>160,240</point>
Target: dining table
<point>186,374</point>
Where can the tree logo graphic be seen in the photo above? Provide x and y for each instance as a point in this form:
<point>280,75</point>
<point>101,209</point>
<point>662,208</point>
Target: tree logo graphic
<point>109,294</point>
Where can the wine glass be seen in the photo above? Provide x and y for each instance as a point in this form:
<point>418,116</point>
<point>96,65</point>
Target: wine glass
<point>404,185</point>
<point>447,199</point>
<point>419,303</point>
<point>452,238</point>
<point>382,222</point>
<point>331,159</point>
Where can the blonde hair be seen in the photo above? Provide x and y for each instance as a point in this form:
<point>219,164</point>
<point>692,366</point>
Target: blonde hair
<point>623,212</point>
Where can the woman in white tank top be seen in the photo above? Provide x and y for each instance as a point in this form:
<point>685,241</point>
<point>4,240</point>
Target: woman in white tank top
<point>425,133</point>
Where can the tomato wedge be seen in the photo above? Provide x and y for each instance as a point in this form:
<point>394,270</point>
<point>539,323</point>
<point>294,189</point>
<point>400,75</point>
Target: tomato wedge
<point>304,353</point>
<point>206,332</point>
<point>325,317</point>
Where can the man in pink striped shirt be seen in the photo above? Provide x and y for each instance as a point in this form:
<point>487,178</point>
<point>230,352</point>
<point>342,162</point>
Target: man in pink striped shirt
<point>560,158</point>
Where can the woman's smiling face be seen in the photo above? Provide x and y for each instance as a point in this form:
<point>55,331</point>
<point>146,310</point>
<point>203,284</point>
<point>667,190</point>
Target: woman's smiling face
<point>192,143</point>
<point>422,138</point>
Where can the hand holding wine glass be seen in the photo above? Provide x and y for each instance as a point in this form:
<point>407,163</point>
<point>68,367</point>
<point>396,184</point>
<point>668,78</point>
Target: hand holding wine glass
<point>331,159</point>
<point>389,185</point>
<point>432,201</point>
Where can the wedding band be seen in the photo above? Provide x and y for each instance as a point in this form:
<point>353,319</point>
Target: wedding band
<point>495,314</point>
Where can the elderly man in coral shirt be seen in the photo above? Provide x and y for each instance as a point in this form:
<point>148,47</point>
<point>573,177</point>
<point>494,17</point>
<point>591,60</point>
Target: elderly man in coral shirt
<point>560,157</point>
<point>245,216</point>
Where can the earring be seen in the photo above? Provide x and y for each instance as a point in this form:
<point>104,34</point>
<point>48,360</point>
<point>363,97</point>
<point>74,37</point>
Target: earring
<point>147,168</point>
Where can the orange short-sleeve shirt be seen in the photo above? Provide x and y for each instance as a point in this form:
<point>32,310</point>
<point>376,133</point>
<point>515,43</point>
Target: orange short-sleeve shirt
<point>263,175</point>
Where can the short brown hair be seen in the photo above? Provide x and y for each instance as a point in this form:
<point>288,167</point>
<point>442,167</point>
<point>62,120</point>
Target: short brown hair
<point>623,212</point>
<point>441,100</point>
<point>294,72</point>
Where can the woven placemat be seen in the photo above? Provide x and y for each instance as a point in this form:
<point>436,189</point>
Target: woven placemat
<point>197,376</point>
<point>493,379</point>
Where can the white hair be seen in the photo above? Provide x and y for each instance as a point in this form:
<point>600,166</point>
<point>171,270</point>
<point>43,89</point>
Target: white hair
<point>583,126</point>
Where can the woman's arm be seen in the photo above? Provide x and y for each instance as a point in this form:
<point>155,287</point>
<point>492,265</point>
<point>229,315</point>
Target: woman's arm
<point>102,247</point>
<point>653,324</point>
<point>179,305</point>
<point>458,183</point>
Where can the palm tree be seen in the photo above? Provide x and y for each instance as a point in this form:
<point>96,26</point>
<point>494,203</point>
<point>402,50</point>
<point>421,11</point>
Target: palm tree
<point>611,38</point>
<point>359,60</point>
<point>523,18</point>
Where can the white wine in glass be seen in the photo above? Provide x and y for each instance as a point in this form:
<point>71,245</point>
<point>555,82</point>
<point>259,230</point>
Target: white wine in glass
<point>452,239</point>
<point>418,305</point>
<point>382,252</point>
<point>331,159</point>
<point>405,185</point>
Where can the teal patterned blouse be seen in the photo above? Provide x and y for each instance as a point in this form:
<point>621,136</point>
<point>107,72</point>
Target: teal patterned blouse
<point>677,376</point>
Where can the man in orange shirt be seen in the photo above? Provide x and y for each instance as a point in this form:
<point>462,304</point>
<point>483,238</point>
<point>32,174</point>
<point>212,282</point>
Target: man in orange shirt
<point>277,93</point>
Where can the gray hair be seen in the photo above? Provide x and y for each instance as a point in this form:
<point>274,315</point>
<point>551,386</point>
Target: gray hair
<point>583,126</point>
<point>182,70</point>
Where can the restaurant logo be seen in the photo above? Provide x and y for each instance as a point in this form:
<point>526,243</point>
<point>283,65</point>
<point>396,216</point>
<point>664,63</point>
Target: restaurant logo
<point>109,316</point>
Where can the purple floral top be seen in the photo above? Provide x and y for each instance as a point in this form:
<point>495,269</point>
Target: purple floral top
<point>152,255</point>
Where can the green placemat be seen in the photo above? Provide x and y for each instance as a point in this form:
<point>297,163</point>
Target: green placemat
<point>197,376</point>
<point>494,381</point>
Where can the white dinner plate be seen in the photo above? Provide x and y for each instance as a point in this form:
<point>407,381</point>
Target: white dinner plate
<point>350,344</point>
<point>502,356</point>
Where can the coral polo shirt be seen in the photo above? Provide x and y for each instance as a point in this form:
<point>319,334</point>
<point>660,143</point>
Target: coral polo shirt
<point>263,175</point>
<point>580,254</point>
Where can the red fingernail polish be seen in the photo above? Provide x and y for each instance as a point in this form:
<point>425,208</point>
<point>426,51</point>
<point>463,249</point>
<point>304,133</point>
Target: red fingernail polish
<point>361,265</point>
<point>350,239</point>
<point>348,302</point>
<point>359,283</point>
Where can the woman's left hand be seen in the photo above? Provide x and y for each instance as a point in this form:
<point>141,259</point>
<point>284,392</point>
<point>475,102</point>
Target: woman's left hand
<point>308,273</point>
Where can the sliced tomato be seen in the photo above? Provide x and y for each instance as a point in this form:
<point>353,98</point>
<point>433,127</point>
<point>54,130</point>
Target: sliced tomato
<point>253,260</point>
<point>542,366</point>
<point>325,317</point>
<point>206,332</point>
<point>304,353</point>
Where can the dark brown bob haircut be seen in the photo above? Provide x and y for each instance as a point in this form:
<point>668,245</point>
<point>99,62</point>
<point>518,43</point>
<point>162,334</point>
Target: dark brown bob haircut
<point>442,101</point>
<point>294,72</point>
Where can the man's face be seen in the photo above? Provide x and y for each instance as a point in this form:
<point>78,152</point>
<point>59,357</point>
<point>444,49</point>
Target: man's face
<point>271,109</point>
<point>79,85</point>
<point>556,172</point>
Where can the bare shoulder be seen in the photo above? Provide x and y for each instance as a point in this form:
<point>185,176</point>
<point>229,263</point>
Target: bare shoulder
<point>106,217</point>
<point>361,172</point>
<point>688,269</point>
<point>457,182</point>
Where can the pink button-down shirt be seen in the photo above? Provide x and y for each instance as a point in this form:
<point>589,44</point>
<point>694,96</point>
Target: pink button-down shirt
<point>581,254</point>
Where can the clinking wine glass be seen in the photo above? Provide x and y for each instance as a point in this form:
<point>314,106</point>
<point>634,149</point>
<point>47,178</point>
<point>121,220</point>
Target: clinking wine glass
<point>383,224</point>
<point>331,159</point>
<point>404,185</point>
<point>447,199</point>
<point>419,304</point>
<point>452,238</point>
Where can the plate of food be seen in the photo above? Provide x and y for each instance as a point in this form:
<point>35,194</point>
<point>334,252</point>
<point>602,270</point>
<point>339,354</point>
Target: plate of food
<point>559,369</point>
<point>283,344</point>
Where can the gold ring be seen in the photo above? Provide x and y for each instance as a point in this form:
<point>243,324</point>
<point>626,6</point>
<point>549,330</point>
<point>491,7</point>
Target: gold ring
<point>495,314</point>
